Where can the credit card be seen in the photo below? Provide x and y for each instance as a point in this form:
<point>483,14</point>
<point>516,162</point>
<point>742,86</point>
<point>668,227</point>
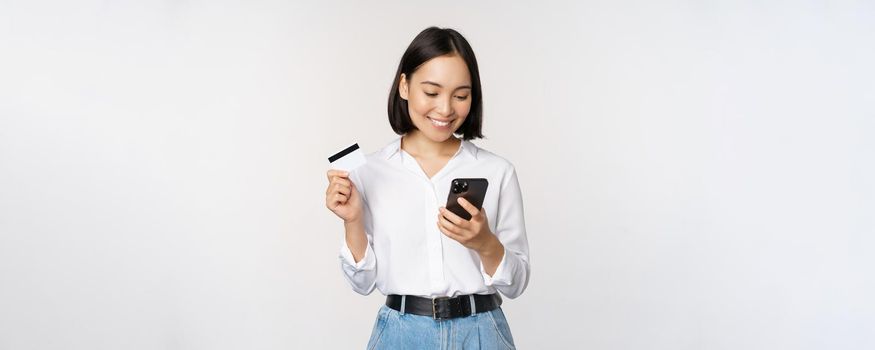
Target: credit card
<point>347,160</point>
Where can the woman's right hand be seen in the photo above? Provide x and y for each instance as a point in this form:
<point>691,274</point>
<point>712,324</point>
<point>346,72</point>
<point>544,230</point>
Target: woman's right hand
<point>342,198</point>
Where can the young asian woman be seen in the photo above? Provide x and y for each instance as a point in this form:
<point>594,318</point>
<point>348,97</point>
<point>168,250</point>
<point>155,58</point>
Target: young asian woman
<point>442,274</point>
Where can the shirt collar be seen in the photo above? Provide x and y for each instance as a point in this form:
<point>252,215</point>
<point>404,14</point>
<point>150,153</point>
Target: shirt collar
<point>394,148</point>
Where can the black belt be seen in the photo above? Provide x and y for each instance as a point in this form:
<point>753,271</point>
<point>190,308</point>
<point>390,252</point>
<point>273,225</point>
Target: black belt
<point>444,307</point>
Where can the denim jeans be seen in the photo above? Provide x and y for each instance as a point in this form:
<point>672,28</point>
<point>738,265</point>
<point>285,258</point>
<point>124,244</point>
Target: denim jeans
<point>484,330</point>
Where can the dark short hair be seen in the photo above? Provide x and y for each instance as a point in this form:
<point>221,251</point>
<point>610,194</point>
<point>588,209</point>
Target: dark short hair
<point>430,43</point>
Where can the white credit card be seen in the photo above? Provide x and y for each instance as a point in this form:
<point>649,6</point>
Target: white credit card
<point>348,159</point>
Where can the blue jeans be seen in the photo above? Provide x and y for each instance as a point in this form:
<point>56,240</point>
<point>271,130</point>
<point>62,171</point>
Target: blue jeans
<point>484,330</point>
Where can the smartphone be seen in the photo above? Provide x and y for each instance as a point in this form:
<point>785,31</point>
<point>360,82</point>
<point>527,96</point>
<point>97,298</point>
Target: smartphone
<point>473,190</point>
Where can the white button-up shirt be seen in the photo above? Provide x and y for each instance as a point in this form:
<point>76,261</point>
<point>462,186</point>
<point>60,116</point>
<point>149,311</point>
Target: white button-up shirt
<point>407,254</point>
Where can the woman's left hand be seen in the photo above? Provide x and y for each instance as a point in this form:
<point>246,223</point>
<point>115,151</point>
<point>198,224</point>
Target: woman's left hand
<point>473,234</point>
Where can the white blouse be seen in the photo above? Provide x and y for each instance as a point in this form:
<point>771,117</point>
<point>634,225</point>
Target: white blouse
<point>407,254</point>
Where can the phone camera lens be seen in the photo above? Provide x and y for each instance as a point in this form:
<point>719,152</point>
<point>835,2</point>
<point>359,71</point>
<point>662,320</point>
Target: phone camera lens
<point>465,186</point>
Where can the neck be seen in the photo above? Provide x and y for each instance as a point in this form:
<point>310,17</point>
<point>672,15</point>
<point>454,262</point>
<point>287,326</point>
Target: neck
<point>418,145</point>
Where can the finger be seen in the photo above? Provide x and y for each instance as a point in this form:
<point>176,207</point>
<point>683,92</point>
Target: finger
<point>337,181</point>
<point>470,208</point>
<point>449,226</point>
<point>334,187</point>
<point>452,235</point>
<point>336,178</point>
<point>341,198</point>
<point>352,190</point>
<point>338,188</point>
<point>336,173</point>
<point>340,185</point>
<point>332,202</point>
<point>482,215</point>
<point>340,180</point>
<point>452,217</point>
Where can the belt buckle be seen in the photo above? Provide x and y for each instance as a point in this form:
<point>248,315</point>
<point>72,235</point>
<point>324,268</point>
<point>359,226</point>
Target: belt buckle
<point>434,313</point>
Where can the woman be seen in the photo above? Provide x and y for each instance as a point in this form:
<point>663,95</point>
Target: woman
<point>440,272</point>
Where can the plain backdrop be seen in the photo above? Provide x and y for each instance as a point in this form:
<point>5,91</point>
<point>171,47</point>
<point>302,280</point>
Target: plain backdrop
<point>696,174</point>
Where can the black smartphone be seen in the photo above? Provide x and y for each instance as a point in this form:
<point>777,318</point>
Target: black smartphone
<point>473,190</point>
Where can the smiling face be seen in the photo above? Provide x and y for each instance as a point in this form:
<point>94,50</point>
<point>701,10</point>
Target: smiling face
<point>438,96</point>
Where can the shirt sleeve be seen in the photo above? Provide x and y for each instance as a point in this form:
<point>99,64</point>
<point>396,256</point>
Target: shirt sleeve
<point>512,275</point>
<point>362,275</point>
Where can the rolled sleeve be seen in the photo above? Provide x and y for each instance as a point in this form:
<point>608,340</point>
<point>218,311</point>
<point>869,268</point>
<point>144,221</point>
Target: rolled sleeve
<point>362,275</point>
<point>350,266</point>
<point>512,275</point>
<point>500,277</point>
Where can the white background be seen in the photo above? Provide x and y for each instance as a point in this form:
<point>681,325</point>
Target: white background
<point>696,174</point>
